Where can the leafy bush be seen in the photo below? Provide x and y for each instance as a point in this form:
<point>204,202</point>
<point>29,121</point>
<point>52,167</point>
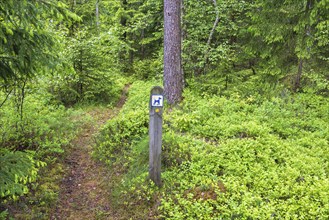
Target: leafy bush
<point>31,139</point>
<point>42,128</point>
<point>129,127</point>
<point>102,87</point>
<point>148,69</point>
<point>16,171</point>
<point>225,158</point>
<point>265,160</point>
<point>123,144</point>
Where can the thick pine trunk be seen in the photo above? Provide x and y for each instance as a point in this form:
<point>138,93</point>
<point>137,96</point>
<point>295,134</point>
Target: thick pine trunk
<point>173,77</point>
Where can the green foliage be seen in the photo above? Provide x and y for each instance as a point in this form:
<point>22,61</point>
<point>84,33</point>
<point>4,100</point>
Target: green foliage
<point>39,129</point>
<point>253,40</point>
<point>140,203</point>
<point>226,158</point>
<point>42,197</point>
<point>25,37</point>
<point>249,160</point>
<point>30,139</point>
<point>136,27</point>
<point>123,144</point>
<point>239,145</point>
<point>224,51</point>
<point>17,170</point>
<point>148,69</point>
<point>120,134</point>
<point>141,23</point>
<point>175,149</point>
<point>89,52</point>
<point>285,33</point>
<point>3,214</point>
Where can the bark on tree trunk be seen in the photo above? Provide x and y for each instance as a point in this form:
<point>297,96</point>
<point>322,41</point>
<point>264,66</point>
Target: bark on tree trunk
<point>142,49</point>
<point>299,75</point>
<point>173,78</point>
<point>97,14</point>
<point>182,38</point>
<point>307,32</point>
<point>124,19</point>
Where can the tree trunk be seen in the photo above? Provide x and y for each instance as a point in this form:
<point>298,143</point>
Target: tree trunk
<point>142,49</point>
<point>173,78</point>
<point>97,14</point>
<point>182,37</point>
<point>205,59</point>
<point>306,33</point>
<point>124,19</point>
<point>299,75</point>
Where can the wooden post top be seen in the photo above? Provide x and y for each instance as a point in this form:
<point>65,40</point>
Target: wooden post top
<point>157,90</point>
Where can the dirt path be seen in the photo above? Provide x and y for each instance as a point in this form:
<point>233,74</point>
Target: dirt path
<point>84,190</point>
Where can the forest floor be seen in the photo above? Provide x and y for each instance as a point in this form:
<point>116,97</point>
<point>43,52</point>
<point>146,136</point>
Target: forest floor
<point>85,190</point>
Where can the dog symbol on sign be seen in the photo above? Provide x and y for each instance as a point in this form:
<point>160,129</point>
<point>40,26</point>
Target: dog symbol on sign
<point>157,100</point>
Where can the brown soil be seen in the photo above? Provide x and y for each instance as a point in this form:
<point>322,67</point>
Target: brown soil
<point>85,193</point>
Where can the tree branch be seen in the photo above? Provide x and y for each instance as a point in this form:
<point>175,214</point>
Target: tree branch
<point>7,96</point>
<point>211,36</point>
<point>214,26</point>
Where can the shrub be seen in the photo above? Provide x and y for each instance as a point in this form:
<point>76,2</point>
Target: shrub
<point>130,126</point>
<point>30,139</point>
<point>227,158</point>
<point>258,160</point>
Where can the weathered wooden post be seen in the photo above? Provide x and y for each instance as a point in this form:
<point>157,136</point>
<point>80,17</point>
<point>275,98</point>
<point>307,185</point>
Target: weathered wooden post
<point>155,133</point>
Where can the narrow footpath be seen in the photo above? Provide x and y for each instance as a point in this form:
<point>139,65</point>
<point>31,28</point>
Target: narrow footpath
<point>85,193</point>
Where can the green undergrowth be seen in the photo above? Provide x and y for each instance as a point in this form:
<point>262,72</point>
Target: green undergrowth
<point>32,145</point>
<point>226,157</point>
<point>123,145</point>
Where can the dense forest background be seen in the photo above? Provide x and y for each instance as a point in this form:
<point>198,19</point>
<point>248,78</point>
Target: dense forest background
<point>256,86</point>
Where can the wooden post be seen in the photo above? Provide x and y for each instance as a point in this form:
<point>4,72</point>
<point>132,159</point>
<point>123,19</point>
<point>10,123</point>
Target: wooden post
<point>155,133</point>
